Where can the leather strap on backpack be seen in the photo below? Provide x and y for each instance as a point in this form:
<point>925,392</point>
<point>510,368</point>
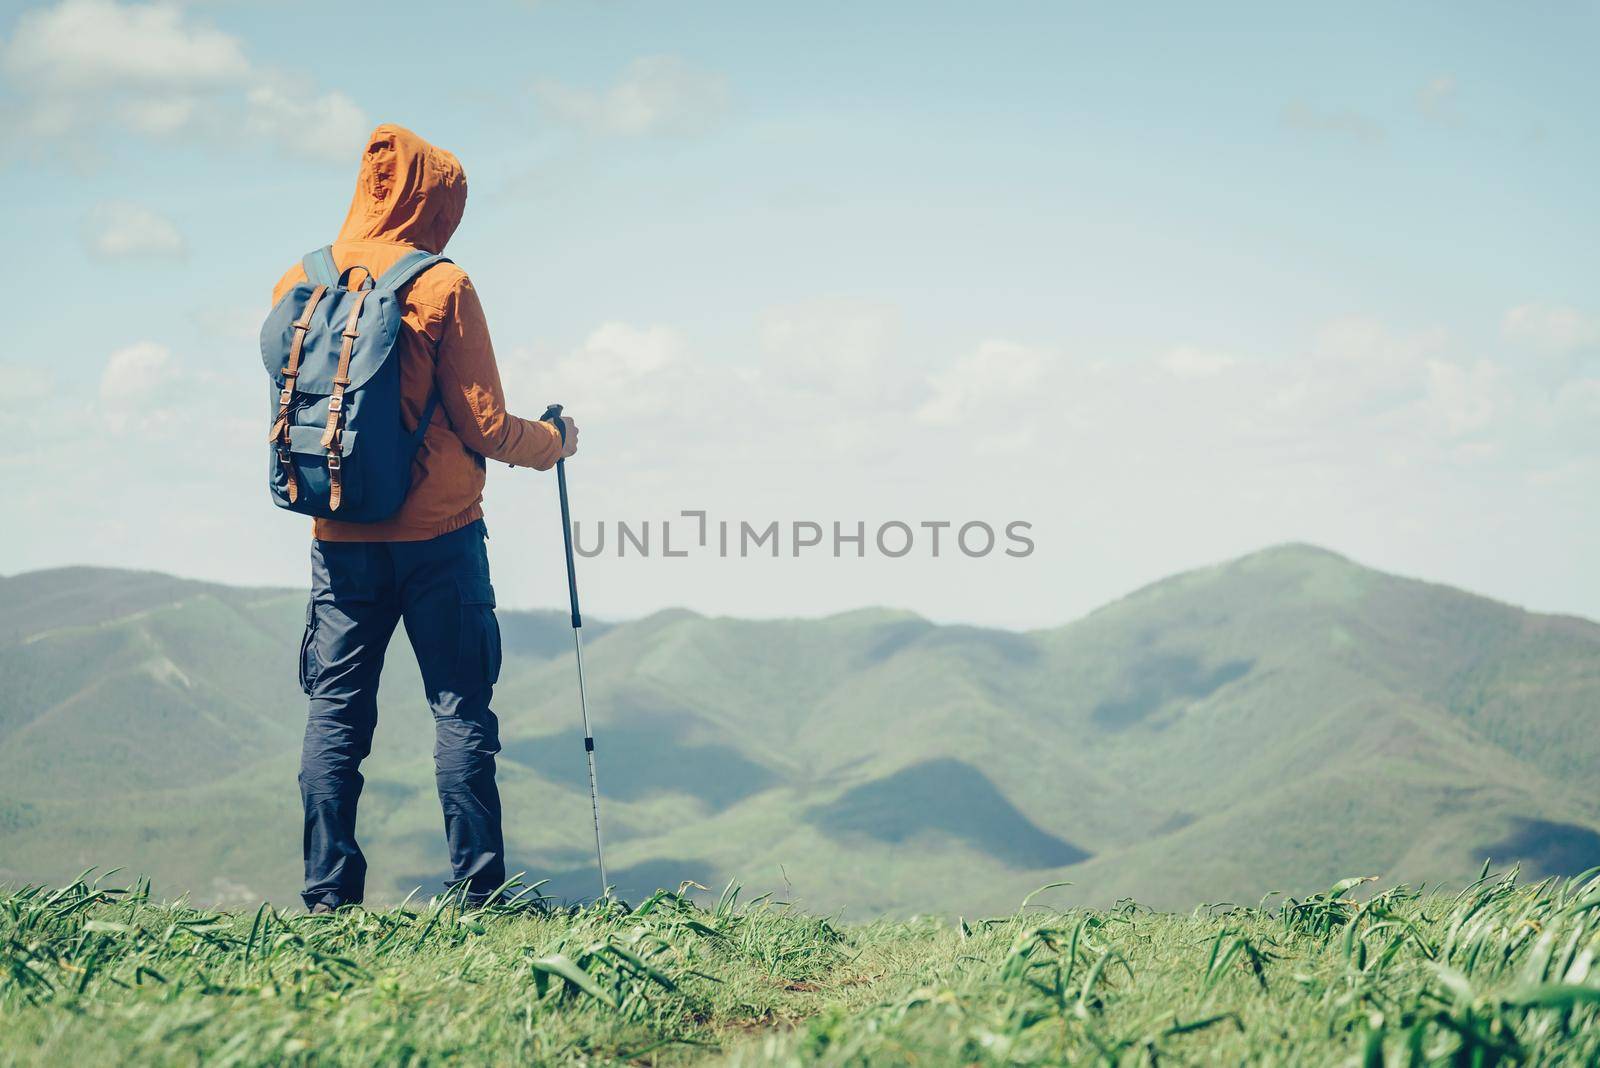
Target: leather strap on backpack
<point>280,426</point>
<point>341,379</point>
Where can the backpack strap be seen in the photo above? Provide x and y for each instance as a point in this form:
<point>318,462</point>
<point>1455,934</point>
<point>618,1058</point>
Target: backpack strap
<point>404,270</point>
<point>427,417</point>
<point>279,434</point>
<point>341,379</point>
<point>408,267</point>
<point>320,267</point>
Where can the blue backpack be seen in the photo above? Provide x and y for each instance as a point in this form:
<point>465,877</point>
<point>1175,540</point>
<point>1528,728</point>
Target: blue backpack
<point>339,448</point>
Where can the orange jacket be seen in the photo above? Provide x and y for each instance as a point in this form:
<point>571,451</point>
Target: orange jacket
<point>411,194</point>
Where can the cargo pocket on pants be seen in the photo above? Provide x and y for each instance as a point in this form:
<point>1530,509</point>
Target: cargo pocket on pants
<point>310,666</point>
<point>478,654</point>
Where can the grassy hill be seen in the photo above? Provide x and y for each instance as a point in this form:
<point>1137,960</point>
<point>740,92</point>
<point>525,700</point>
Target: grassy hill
<point>1274,722</point>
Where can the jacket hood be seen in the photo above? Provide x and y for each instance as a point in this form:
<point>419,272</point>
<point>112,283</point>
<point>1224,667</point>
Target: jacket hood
<point>408,192</point>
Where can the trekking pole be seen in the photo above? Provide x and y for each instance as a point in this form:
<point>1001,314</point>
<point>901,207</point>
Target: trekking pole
<point>552,415</point>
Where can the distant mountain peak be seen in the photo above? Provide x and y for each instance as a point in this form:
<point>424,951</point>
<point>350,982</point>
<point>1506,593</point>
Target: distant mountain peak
<point>874,614</point>
<point>1296,551</point>
<point>1291,560</point>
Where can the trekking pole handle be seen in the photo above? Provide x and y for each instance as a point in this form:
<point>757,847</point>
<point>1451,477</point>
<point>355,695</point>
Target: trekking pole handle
<point>552,415</point>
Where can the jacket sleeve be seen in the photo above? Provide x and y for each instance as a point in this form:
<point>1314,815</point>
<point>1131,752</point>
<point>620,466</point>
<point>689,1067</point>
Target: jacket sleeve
<point>470,391</point>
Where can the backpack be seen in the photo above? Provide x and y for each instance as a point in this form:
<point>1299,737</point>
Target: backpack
<point>338,447</point>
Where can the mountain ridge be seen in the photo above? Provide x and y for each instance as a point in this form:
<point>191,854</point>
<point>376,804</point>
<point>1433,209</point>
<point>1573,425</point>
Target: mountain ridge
<point>1297,550</point>
<point>1286,717</point>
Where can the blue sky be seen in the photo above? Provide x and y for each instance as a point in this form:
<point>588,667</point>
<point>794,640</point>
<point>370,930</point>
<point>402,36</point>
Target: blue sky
<point>1171,285</point>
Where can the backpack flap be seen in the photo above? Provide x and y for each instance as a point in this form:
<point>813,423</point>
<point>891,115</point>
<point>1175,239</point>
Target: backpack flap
<point>379,325</point>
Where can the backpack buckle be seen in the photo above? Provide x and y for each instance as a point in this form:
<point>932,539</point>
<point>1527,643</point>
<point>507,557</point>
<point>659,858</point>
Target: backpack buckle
<point>335,403</point>
<point>334,460</point>
<point>286,397</point>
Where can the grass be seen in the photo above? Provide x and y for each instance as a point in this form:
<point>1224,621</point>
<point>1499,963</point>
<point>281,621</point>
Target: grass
<point>1499,973</point>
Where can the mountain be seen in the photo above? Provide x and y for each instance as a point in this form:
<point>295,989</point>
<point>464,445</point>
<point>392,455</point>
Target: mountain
<point>1275,722</point>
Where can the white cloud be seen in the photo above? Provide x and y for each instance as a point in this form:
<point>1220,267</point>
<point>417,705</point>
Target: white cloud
<point>821,362</point>
<point>1357,393</point>
<point>1554,327</point>
<point>135,388</point>
<point>620,371</point>
<point>1354,368</point>
<point>327,127</point>
<point>83,67</point>
<point>98,45</point>
<point>119,229</point>
<point>1190,361</point>
<point>833,351</point>
<point>625,353</point>
<point>657,94</point>
<point>1462,400</point>
<point>996,373</point>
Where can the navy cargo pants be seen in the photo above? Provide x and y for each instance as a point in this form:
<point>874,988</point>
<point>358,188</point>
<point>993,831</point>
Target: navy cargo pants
<point>359,592</point>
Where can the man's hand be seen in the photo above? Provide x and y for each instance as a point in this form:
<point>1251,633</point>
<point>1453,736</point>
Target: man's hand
<point>569,441</point>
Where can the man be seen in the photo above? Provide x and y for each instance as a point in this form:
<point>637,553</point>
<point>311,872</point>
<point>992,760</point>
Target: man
<point>426,564</point>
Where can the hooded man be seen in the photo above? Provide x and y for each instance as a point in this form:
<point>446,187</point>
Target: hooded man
<point>426,564</point>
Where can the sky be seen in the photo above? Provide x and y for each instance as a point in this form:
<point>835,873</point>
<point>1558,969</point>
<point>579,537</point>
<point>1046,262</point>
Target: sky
<point>1168,285</point>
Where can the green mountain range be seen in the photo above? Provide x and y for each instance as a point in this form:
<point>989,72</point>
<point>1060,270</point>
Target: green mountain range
<point>1276,722</point>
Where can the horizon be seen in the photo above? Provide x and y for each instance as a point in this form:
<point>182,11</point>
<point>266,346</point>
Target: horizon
<point>559,610</point>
